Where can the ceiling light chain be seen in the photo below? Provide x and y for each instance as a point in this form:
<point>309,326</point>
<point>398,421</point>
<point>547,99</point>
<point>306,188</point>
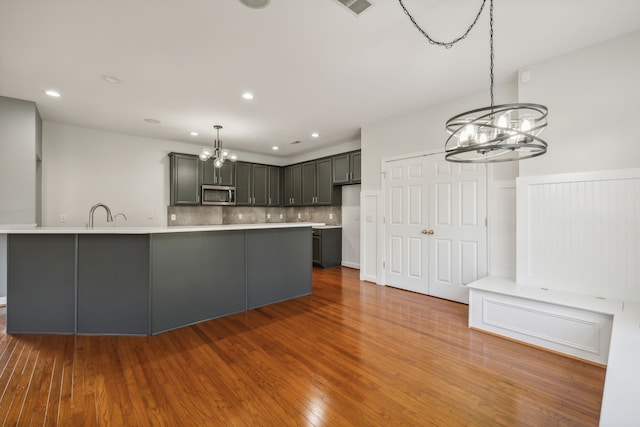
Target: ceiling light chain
<point>498,133</point>
<point>448,45</point>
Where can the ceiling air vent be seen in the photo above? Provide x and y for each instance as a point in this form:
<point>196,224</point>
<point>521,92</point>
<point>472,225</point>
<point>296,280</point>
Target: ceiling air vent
<point>356,6</point>
<point>295,142</point>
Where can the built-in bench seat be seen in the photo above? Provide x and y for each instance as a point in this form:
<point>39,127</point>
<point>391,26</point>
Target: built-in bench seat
<point>600,330</point>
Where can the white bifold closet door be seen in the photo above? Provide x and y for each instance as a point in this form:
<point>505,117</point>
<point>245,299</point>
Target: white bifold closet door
<point>435,226</point>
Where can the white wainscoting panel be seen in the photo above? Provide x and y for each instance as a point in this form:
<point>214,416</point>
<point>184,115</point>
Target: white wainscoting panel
<point>580,233</point>
<point>579,333</point>
<point>369,236</point>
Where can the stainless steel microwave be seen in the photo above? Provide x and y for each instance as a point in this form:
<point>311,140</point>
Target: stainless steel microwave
<point>218,195</point>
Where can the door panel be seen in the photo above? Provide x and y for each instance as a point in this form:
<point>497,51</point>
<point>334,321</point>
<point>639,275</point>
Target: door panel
<point>443,261</point>
<point>469,262</point>
<point>460,235</point>
<point>414,249</point>
<point>406,212</point>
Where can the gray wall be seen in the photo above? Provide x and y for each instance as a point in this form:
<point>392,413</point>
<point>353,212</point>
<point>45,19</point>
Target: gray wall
<point>19,133</point>
<point>592,95</point>
<point>3,266</point>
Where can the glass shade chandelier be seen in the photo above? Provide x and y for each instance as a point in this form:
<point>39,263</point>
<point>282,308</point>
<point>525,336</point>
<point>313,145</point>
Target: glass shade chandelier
<point>497,133</point>
<point>217,153</point>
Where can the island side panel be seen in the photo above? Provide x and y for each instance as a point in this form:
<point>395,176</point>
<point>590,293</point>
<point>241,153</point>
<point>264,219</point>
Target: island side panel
<point>279,265</point>
<point>113,284</point>
<point>196,277</point>
<point>41,277</point>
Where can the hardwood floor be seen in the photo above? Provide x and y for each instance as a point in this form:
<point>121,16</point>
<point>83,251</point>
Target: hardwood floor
<point>353,353</point>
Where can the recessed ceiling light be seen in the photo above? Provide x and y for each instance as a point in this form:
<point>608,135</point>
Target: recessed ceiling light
<point>53,93</point>
<point>153,121</point>
<point>255,4</point>
<point>247,95</point>
<point>274,148</point>
<point>194,133</point>
<point>111,79</point>
<point>315,135</point>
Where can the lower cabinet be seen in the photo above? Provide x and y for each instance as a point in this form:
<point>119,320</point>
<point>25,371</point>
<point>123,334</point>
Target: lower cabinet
<point>196,277</point>
<point>113,284</point>
<point>327,247</point>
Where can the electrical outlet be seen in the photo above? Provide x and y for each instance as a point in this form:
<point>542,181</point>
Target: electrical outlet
<point>150,215</point>
<point>239,216</point>
<point>268,216</point>
<point>173,217</point>
<point>330,216</point>
<point>281,216</point>
<point>299,216</point>
<point>63,217</point>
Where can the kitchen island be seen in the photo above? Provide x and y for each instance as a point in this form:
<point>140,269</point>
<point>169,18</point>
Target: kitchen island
<point>143,281</point>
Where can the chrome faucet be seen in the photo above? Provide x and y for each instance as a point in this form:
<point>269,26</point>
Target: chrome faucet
<point>93,209</point>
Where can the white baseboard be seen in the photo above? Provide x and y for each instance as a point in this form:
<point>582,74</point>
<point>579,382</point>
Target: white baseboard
<point>351,265</point>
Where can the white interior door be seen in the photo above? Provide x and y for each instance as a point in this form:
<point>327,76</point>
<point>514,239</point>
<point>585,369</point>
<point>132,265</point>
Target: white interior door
<point>457,213</point>
<point>406,216</point>
<point>435,234</point>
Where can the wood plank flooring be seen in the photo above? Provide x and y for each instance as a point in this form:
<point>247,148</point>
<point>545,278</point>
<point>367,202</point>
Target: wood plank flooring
<point>353,353</point>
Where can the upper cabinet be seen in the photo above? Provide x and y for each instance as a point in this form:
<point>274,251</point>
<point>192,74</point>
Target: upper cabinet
<point>293,185</point>
<point>211,175</point>
<point>313,183</point>
<point>257,185</point>
<point>185,171</point>
<point>274,195</point>
<point>346,168</point>
<point>317,185</point>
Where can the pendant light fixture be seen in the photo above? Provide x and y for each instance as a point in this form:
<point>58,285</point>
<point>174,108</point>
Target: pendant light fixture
<point>497,133</point>
<point>216,153</point>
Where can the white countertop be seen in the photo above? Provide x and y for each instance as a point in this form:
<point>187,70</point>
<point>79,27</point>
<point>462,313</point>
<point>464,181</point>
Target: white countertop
<point>153,230</point>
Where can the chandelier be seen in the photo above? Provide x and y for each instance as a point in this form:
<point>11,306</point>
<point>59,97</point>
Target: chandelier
<point>497,133</point>
<point>217,153</point>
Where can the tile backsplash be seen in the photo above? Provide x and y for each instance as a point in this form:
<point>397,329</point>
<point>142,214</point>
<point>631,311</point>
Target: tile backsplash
<point>212,215</point>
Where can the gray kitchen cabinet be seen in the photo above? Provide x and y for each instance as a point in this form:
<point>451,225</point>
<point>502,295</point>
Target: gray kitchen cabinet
<point>226,175</point>
<point>317,184</point>
<point>113,277</point>
<point>252,184</point>
<point>185,177</point>
<point>309,183</point>
<point>346,168</point>
<point>327,247</point>
<point>260,174</point>
<point>196,276</point>
<point>41,275</point>
<point>275,186</point>
<point>244,196</point>
<point>293,185</point>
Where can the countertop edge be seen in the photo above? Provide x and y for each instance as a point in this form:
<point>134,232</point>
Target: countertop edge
<point>156,230</point>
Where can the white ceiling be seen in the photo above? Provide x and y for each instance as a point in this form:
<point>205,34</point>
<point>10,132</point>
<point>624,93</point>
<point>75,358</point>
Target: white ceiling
<point>312,64</point>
